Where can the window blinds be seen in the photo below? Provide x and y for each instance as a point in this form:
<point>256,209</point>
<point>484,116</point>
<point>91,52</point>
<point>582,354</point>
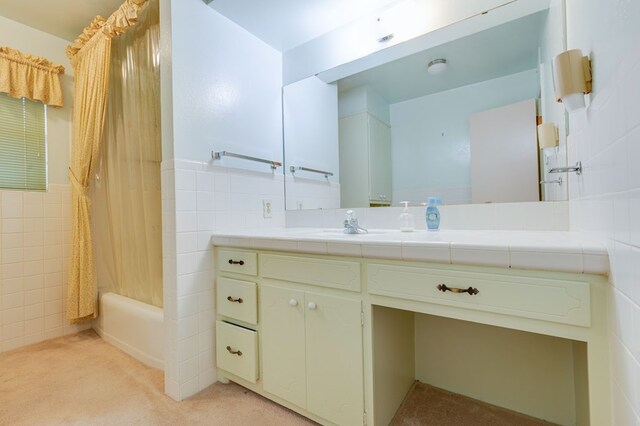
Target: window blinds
<point>23,150</point>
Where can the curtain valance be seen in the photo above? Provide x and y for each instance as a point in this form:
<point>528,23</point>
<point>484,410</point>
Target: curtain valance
<point>32,77</point>
<point>124,17</point>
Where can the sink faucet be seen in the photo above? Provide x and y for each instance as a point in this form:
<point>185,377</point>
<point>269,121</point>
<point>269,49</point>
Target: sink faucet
<point>351,224</point>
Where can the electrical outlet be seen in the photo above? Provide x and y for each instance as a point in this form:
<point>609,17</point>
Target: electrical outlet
<point>267,209</point>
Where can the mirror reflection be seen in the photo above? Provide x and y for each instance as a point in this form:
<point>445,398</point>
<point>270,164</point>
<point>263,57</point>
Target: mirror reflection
<point>458,121</point>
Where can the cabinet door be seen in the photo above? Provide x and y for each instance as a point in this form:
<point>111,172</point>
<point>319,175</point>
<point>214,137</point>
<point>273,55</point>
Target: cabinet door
<point>283,350</point>
<point>379,161</point>
<point>504,154</point>
<point>334,358</point>
<point>354,173</point>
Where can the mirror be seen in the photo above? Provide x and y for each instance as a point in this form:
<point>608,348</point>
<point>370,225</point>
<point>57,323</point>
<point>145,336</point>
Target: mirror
<point>399,132</point>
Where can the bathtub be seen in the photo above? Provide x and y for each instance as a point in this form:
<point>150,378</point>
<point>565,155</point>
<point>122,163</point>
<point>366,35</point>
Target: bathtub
<point>132,326</point>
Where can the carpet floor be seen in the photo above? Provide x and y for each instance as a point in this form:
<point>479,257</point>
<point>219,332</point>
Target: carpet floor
<point>82,380</point>
<point>428,405</point>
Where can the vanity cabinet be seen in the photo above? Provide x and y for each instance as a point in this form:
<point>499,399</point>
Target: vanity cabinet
<point>341,340</point>
<point>237,307</point>
<point>312,351</point>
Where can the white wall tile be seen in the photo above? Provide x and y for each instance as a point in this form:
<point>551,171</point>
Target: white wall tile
<point>605,201</point>
<point>479,256</point>
<point>185,180</point>
<point>186,201</point>
<point>29,256</point>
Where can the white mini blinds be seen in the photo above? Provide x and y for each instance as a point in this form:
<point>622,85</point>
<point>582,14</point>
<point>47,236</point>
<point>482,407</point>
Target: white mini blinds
<point>23,144</point>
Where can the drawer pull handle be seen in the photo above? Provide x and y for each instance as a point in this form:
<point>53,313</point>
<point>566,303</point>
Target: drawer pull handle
<point>231,299</point>
<point>231,351</point>
<point>236,262</point>
<point>443,288</point>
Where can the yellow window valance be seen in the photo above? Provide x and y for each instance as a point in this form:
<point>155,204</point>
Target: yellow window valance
<point>31,77</point>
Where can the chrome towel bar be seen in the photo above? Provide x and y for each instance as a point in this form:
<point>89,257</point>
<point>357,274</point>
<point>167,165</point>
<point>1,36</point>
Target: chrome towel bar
<point>558,181</point>
<point>217,155</point>
<point>577,168</point>
<point>293,169</point>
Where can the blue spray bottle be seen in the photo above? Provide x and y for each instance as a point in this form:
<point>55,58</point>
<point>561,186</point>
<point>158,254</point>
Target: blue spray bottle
<point>433,214</point>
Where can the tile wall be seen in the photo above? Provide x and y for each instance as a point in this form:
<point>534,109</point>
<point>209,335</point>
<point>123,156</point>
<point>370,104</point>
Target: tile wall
<point>605,201</point>
<point>197,200</point>
<point>547,216</point>
<point>34,257</point>
<point>304,193</point>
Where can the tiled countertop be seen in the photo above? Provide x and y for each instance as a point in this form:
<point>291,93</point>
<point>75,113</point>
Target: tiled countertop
<point>551,251</point>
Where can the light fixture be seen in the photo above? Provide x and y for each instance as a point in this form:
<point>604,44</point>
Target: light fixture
<point>437,66</point>
<point>572,78</point>
<point>383,32</point>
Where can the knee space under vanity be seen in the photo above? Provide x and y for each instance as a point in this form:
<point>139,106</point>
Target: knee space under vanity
<point>534,374</point>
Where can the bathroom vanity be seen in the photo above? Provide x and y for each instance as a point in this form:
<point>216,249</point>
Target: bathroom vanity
<point>338,327</point>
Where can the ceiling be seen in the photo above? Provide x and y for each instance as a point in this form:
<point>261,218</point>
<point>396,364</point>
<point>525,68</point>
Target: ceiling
<point>63,18</point>
<point>285,24</point>
<point>503,50</point>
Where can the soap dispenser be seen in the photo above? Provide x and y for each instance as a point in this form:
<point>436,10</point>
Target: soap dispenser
<point>433,214</point>
<point>407,223</point>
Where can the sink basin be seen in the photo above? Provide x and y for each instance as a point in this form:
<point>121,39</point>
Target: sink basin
<point>340,232</point>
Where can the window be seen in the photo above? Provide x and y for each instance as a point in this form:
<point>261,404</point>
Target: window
<point>23,144</point>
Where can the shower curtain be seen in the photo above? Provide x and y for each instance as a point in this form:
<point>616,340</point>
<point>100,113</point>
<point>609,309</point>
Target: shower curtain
<point>127,199</point>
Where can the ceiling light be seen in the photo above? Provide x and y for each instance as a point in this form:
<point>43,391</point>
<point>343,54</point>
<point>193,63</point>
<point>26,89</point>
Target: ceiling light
<point>437,66</point>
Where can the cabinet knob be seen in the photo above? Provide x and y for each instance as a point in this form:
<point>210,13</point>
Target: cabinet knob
<point>312,306</point>
<point>293,302</point>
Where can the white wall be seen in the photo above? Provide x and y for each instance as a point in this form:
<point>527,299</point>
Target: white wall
<point>223,93</point>
<point>430,134</point>
<point>605,200</point>
<point>310,108</point>
<point>552,42</point>
<point>35,227</point>
<point>226,88</point>
<point>416,25</point>
<point>311,127</point>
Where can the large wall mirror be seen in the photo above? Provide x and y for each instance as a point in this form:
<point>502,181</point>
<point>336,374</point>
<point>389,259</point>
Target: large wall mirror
<point>464,129</point>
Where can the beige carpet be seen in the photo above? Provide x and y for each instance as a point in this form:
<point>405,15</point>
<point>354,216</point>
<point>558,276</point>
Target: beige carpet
<point>429,406</point>
<point>81,380</point>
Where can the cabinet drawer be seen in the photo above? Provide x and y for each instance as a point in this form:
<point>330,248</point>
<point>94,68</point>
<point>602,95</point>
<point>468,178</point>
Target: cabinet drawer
<point>242,262</point>
<point>340,274</point>
<point>237,350</point>
<point>555,300</point>
<point>237,299</point>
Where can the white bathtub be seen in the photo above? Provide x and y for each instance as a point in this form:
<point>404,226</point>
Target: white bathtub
<point>132,326</point>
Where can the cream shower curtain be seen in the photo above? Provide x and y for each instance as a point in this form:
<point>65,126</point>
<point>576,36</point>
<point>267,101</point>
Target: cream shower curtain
<point>127,201</point>
<point>90,56</point>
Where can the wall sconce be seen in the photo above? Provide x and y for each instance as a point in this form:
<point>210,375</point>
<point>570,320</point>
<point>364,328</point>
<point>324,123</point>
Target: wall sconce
<point>572,78</point>
<point>547,135</point>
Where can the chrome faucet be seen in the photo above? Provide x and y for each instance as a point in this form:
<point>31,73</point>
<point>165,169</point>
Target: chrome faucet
<point>351,224</point>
